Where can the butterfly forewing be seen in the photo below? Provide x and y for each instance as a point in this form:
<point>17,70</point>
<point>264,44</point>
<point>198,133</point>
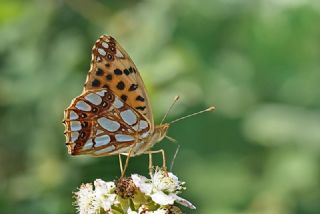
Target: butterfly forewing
<point>99,123</point>
<point>111,67</point>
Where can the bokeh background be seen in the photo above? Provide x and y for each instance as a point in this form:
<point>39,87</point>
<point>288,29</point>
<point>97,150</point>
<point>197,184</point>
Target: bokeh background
<point>256,61</point>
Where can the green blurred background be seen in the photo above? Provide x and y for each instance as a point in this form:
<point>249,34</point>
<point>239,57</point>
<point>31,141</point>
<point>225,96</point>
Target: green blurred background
<point>256,61</point>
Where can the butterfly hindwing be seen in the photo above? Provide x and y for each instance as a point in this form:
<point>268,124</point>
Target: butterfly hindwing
<point>99,123</point>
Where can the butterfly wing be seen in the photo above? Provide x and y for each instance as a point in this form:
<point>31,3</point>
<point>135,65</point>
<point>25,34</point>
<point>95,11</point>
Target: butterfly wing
<point>99,123</point>
<point>111,67</point>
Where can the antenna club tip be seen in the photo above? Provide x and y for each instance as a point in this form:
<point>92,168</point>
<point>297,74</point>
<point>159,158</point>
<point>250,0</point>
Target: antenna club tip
<point>212,108</point>
<point>176,98</point>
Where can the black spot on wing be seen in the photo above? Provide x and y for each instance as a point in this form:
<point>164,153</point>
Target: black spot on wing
<point>95,83</point>
<point>139,98</point>
<point>117,71</point>
<point>133,87</point>
<point>109,77</point>
<point>141,108</point>
<point>120,85</point>
<point>99,72</point>
<point>126,72</point>
<point>124,97</point>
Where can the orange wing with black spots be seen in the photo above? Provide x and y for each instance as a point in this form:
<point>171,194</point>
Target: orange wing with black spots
<point>111,67</point>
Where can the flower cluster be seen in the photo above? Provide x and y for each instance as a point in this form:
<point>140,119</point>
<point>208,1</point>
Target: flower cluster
<point>133,195</point>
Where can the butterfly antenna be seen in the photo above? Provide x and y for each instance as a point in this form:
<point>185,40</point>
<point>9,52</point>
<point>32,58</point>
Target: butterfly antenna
<point>212,108</point>
<point>174,102</point>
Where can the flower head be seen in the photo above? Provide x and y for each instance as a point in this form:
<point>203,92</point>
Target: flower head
<point>85,199</point>
<point>163,188</point>
<point>133,195</point>
<point>104,194</point>
<point>90,201</point>
<point>125,188</point>
<point>166,181</point>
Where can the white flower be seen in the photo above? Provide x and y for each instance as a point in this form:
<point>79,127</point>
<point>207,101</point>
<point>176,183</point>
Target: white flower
<point>108,197</point>
<point>184,202</point>
<point>163,188</point>
<point>85,198</point>
<point>90,201</point>
<point>144,184</point>
<point>104,194</point>
<point>166,181</point>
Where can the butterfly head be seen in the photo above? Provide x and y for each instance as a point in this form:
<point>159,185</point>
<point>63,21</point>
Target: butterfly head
<point>160,132</point>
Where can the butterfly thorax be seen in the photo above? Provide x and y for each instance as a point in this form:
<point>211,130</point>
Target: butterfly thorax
<point>158,134</point>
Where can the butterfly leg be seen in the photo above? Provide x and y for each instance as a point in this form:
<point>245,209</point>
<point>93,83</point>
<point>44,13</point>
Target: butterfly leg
<point>150,164</point>
<point>120,163</point>
<point>127,160</point>
<point>164,165</point>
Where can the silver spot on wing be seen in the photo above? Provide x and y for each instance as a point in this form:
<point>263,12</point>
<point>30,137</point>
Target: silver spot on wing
<point>83,106</point>
<point>101,52</point>
<point>88,144</point>
<point>123,138</point>
<point>104,150</point>
<point>117,103</point>
<point>105,45</point>
<point>141,125</point>
<point>75,125</point>
<point>129,117</point>
<point>102,140</point>
<point>73,115</point>
<point>119,54</point>
<point>101,93</point>
<point>74,136</point>
<point>108,124</point>
<point>93,98</point>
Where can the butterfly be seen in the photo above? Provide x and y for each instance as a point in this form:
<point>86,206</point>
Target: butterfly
<point>113,114</point>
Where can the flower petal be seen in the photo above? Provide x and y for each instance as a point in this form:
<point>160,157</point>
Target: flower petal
<point>104,194</point>
<point>143,183</point>
<point>104,187</point>
<point>184,202</point>
<point>162,199</point>
<point>85,199</point>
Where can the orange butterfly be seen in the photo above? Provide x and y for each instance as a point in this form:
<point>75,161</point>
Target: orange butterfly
<point>113,114</point>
